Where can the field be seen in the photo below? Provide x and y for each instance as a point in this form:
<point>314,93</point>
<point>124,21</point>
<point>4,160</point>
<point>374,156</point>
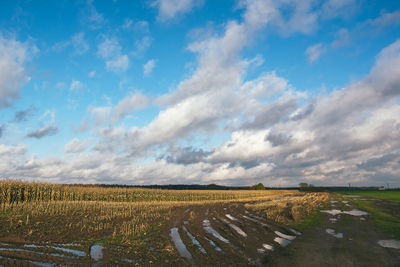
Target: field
<point>62,225</point>
<point>69,225</point>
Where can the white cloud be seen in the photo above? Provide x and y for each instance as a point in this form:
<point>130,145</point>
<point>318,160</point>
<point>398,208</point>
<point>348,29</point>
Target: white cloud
<point>76,85</point>
<point>79,43</point>
<point>315,51</point>
<point>76,146</point>
<point>92,74</point>
<point>100,114</point>
<point>128,104</point>
<point>342,38</point>
<point>119,63</point>
<point>13,56</point>
<point>110,50</point>
<point>148,67</point>
<point>169,9</point>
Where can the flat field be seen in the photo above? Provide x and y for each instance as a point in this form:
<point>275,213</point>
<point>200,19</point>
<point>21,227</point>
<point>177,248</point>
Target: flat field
<point>59,225</point>
<point>66,225</point>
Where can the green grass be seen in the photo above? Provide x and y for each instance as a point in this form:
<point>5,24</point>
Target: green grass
<point>385,222</point>
<point>316,218</point>
<point>386,195</point>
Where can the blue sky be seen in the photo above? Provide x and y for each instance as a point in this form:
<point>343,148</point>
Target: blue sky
<point>184,91</point>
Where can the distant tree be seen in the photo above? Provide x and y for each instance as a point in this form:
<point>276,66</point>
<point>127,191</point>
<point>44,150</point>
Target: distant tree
<point>303,185</point>
<point>258,186</point>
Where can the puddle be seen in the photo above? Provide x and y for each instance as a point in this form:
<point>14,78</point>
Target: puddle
<point>391,243</point>
<point>238,230</point>
<point>260,250</point>
<point>288,237</point>
<point>42,264</point>
<point>230,217</point>
<point>333,220</point>
<point>210,230</point>
<point>362,219</point>
<point>194,240</point>
<point>268,247</point>
<point>294,231</point>
<point>353,212</point>
<point>282,241</point>
<point>332,212</point>
<point>213,244</point>
<point>332,233</point>
<point>180,246</point>
<point>72,251</point>
<point>96,252</point>
<point>256,221</point>
<point>356,212</point>
<point>35,252</point>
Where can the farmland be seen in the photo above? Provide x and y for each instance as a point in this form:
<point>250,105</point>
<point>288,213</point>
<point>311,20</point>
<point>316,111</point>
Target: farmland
<point>71,225</point>
<point>42,223</point>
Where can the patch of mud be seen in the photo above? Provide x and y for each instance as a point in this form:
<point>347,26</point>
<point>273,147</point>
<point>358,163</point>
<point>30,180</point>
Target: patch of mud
<point>179,245</point>
<point>391,243</point>
<point>332,232</point>
<point>282,241</point>
<point>207,227</point>
<point>194,240</point>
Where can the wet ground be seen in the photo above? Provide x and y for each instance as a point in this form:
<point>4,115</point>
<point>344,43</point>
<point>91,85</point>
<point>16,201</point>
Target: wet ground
<point>346,238</point>
<point>228,234</point>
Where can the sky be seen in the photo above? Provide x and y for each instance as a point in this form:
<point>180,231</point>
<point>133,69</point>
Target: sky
<point>233,92</point>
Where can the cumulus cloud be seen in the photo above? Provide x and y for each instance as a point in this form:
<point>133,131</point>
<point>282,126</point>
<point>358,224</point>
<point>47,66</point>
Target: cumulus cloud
<point>76,85</point>
<point>76,146</point>
<point>278,135</point>
<point>23,115</point>
<point>148,67</point>
<point>2,129</point>
<point>77,41</point>
<point>100,114</point>
<point>13,76</point>
<point>111,51</point>
<point>168,9</point>
<point>314,52</point>
<point>47,130</point>
<point>127,105</point>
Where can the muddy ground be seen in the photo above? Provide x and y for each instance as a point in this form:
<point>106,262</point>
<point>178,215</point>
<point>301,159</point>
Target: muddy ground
<point>228,234</point>
<point>351,241</point>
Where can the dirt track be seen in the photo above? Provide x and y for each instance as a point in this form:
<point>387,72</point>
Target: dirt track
<point>315,247</point>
